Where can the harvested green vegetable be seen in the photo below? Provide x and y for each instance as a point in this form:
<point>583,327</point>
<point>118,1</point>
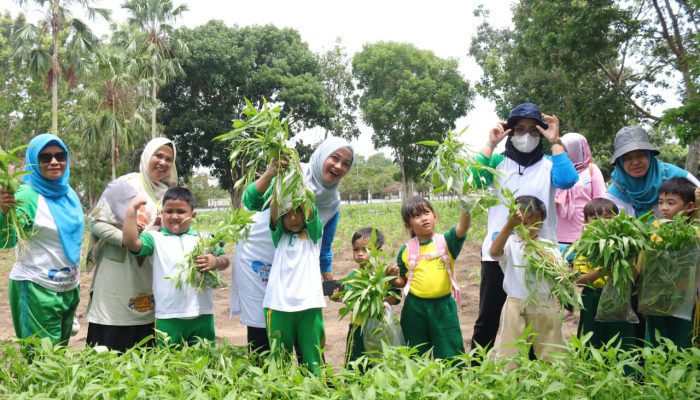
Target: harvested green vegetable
<point>10,181</point>
<point>455,170</point>
<point>258,140</point>
<point>668,271</point>
<point>232,230</point>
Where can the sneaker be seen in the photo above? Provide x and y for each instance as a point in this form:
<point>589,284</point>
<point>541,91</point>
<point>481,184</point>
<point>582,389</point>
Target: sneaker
<point>76,327</point>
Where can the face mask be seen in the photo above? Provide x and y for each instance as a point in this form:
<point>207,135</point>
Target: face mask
<point>525,143</point>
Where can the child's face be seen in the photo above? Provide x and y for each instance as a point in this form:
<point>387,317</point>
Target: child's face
<point>177,216</point>
<point>293,221</point>
<point>422,224</point>
<point>532,220</point>
<point>360,253</point>
<point>607,214</point>
<point>672,204</point>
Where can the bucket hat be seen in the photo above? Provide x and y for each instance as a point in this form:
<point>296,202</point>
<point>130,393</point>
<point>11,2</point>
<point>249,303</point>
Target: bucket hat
<point>525,110</point>
<point>631,138</point>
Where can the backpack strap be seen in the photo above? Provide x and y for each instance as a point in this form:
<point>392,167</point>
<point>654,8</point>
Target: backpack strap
<point>441,246</point>
<point>413,255</point>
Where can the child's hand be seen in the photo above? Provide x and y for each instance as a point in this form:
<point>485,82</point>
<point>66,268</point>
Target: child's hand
<point>334,296</point>
<point>697,199</point>
<point>516,219</point>
<point>137,202</point>
<point>206,262</point>
<point>7,200</point>
<point>393,270</point>
<point>467,201</point>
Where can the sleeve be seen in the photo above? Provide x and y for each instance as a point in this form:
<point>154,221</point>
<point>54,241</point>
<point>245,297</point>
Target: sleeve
<point>454,243</point>
<point>276,231</point>
<point>148,245</point>
<point>403,269</point>
<point>25,210</point>
<point>597,183</point>
<point>107,232</point>
<point>693,179</point>
<point>564,174</point>
<point>254,200</point>
<point>581,266</point>
<point>314,226</point>
<point>326,256</point>
<point>491,162</point>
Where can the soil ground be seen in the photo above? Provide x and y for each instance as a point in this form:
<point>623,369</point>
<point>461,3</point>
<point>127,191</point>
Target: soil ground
<point>468,267</point>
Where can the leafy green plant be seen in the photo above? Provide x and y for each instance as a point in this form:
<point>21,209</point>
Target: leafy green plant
<point>9,182</point>
<point>665,286</point>
<point>231,230</point>
<point>256,142</point>
<point>455,170</point>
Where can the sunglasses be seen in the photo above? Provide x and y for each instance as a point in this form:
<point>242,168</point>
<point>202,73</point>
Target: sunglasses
<point>46,158</point>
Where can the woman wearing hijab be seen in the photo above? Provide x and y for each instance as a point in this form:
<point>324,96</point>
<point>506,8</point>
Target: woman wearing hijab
<point>638,174</point>
<point>121,308</point>
<point>44,291</point>
<point>252,259</point>
<point>527,171</point>
<point>570,202</point>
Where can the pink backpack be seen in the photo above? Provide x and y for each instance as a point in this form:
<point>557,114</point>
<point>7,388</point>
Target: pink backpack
<point>414,256</point>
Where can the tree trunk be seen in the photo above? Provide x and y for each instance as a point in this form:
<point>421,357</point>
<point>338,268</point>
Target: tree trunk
<point>114,157</point>
<point>236,197</point>
<point>154,94</point>
<point>693,157</point>
<point>54,68</point>
<point>406,182</point>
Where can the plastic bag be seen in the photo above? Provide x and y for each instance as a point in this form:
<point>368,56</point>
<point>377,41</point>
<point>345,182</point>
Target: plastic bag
<point>387,330</point>
<point>667,282</point>
<point>615,304</point>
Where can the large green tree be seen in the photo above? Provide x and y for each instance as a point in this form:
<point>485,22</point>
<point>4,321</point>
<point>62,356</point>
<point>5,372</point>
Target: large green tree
<point>409,95</point>
<point>226,65</point>
<point>342,98</point>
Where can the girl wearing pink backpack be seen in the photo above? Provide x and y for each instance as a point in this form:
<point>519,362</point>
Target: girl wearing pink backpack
<point>425,273</point>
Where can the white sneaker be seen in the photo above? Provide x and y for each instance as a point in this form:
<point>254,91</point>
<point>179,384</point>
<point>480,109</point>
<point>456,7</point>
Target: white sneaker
<point>76,327</point>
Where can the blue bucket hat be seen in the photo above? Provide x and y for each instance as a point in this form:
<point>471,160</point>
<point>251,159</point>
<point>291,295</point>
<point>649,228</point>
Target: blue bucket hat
<point>525,110</point>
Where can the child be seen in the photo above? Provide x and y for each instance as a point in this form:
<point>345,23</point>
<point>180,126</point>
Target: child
<point>593,282</point>
<point>426,273</point>
<point>360,254</point>
<point>676,195</point>
<point>294,295</point>
<point>543,316</point>
<point>183,314</point>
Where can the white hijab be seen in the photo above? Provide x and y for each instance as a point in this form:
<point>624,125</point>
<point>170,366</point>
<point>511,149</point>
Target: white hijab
<point>327,196</point>
<point>159,187</point>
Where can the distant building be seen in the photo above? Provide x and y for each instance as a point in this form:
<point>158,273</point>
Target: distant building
<point>219,203</point>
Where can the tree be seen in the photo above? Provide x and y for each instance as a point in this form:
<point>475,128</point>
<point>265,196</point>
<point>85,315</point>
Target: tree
<point>156,42</point>
<point>409,95</point>
<point>78,42</point>
<point>341,96</point>
<point>226,65</point>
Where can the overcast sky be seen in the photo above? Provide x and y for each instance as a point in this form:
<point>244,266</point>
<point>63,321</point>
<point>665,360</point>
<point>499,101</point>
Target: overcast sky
<point>445,27</point>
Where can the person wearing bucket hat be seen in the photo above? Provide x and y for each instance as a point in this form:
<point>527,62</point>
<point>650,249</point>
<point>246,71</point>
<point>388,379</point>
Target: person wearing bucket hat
<point>526,169</point>
<point>638,174</point>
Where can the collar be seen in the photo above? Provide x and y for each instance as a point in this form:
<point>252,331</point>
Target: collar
<point>190,232</point>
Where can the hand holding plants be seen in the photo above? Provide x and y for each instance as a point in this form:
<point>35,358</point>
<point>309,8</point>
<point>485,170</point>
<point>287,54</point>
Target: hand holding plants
<point>207,262</point>
<point>7,201</point>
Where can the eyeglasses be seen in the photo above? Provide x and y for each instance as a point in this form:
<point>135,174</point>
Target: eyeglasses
<point>519,130</point>
<point>46,158</point>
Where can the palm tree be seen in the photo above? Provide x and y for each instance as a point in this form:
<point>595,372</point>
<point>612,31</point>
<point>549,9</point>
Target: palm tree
<point>109,105</point>
<point>156,42</point>
<point>79,41</point>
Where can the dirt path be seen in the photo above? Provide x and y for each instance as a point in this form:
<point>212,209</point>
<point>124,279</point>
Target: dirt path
<point>336,330</point>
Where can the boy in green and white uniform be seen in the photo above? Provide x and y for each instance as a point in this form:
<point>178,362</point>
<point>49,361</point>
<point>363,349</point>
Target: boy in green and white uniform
<point>184,314</point>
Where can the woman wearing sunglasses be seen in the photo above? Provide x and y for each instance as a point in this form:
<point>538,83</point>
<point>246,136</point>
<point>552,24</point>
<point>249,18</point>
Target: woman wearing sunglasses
<point>121,309</point>
<point>44,278</point>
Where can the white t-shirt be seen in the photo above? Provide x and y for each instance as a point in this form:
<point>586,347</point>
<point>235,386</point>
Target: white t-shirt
<point>167,251</point>
<point>295,280</point>
<point>515,272</point>
<point>43,261</point>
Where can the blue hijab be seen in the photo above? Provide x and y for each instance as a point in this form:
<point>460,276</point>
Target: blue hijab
<point>643,193</point>
<point>62,200</point>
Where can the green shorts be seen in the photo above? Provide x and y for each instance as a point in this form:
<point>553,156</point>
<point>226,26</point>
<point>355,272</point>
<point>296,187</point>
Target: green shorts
<point>603,332</point>
<point>432,323</point>
<point>188,331</point>
<point>42,312</point>
<point>303,327</point>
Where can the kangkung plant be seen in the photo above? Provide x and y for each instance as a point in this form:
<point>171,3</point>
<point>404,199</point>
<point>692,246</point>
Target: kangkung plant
<point>259,140</point>
<point>232,230</point>
<point>9,182</point>
<point>454,169</point>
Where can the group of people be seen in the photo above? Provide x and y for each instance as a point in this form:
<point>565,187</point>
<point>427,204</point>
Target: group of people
<point>140,230</point>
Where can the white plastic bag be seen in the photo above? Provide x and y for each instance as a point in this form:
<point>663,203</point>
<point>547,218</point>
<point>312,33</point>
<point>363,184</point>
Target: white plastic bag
<point>387,330</point>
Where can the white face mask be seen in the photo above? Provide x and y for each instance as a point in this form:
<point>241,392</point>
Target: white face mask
<point>525,143</point>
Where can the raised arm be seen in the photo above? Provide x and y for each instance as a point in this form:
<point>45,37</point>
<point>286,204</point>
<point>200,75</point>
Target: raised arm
<point>499,242</point>
<point>130,231</point>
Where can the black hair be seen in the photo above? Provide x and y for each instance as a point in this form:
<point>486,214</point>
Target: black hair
<point>366,233</point>
<point>413,207</point>
<point>180,193</point>
<point>599,207</point>
<point>531,204</point>
<point>681,187</point>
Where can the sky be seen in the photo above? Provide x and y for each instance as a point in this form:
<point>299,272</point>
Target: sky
<point>442,26</point>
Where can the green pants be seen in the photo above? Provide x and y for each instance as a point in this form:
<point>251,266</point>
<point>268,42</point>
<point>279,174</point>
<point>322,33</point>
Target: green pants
<point>303,327</point>
<point>188,331</point>
<point>679,330</point>
<point>42,312</point>
<point>603,332</point>
<point>432,323</point>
